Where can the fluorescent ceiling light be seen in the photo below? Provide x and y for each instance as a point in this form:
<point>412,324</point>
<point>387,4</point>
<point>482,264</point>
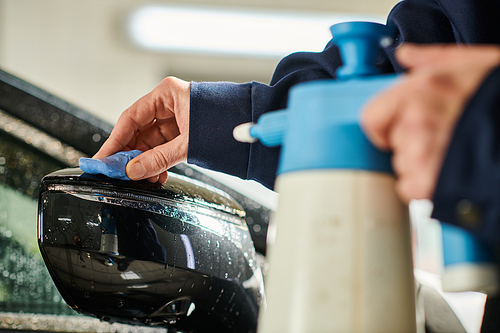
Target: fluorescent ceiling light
<point>232,32</point>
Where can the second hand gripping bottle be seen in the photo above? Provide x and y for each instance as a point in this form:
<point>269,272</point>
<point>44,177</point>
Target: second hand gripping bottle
<point>341,257</point>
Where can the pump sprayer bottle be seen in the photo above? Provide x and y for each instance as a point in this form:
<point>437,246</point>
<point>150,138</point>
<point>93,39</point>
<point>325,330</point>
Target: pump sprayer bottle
<point>341,258</point>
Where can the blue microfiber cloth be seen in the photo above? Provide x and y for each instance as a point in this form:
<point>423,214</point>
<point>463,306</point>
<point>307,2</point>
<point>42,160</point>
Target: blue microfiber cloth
<point>112,166</point>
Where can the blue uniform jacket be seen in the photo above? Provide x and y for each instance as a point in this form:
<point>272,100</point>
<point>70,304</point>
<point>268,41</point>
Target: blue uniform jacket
<point>471,169</point>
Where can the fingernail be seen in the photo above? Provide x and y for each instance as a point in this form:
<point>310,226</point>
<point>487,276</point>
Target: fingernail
<point>136,170</point>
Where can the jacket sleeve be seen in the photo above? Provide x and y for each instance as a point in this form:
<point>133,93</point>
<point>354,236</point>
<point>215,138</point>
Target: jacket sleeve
<point>468,188</point>
<point>217,107</point>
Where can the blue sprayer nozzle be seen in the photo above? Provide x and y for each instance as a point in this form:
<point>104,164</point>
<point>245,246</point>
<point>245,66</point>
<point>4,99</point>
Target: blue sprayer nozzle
<point>320,127</point>
<point>269,129</point>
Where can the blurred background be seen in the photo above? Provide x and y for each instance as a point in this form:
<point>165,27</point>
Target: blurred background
<point>101,56</point>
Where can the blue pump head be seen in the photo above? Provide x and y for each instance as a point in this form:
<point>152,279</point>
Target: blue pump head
<point>320,127</point>
<point>359,44</point>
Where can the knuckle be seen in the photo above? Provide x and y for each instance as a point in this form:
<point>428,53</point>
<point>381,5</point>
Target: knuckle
<point>169,81</point>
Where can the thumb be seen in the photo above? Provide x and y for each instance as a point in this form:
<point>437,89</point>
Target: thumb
<point>155,161</point>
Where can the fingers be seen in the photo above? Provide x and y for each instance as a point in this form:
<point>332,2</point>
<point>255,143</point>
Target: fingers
<point>435,55</point>
<point>414,55</point>
<point>411,119</point>
<point>157,124</point>
<point>154,163</point>
<point>164,111</point>
<point>161,178</point>
<point>417,155</point>
<point>379,114</point>
<point>168,128</point>
<point>128,124</point>
<point>159,132</point>
<point>417,187</point>
<point>415,119</point>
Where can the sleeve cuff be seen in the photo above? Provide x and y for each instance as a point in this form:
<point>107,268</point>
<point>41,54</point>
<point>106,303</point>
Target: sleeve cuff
<point>215,109</point>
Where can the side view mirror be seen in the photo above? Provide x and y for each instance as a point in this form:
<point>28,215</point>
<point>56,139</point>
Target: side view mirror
<point>177,255</point>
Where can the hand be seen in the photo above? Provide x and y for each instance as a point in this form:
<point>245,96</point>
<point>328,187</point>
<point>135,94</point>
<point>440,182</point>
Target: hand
<point>416,118</point>
<point>157,124</point>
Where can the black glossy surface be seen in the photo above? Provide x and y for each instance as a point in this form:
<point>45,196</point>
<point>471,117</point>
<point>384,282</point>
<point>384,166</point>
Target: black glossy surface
<point>257,216</point>
<point>178,255</point>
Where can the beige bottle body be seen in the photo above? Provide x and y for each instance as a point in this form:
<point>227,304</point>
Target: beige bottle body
<point>340,259</point>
